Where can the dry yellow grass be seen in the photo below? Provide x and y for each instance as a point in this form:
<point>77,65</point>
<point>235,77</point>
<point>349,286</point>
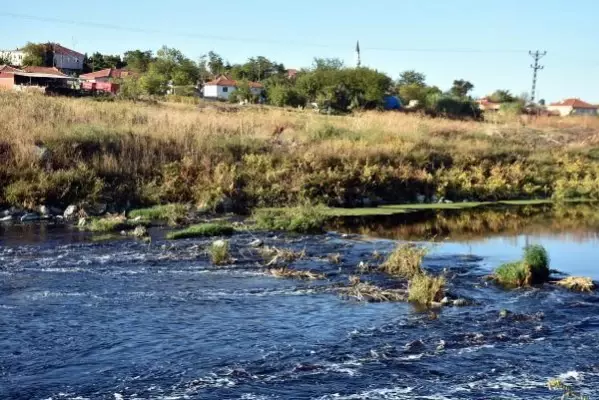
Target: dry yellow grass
<point>267,156</point>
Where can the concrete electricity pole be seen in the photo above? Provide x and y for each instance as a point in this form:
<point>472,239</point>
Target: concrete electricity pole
<point>537,55</point>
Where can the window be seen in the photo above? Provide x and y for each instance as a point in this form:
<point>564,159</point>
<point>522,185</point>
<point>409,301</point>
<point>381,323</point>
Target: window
<point>225,89</point>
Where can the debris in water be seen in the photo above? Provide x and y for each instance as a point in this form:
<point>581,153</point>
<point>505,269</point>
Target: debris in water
<point>577,284</point>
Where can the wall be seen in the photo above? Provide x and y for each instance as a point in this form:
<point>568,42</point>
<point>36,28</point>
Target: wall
<point>6,81</point>
<point>16,56</point>
<point>63,61</point>
<point>563,110</point>
<point>211,91</point>
<point>225,91</point>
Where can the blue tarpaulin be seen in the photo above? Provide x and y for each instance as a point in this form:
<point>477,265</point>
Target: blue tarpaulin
<point>392,103</point>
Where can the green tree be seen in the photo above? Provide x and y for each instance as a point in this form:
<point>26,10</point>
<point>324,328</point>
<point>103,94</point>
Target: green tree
<point>461,88</point>
<point>411,77</point>
<point>215,63</point>
<point>327,64</point>
<point>5,60</point>
<point>137,60</point>
<point>153,82</point>
<point>37,54</point>
<point>501,96</point>
<point>284,95</point>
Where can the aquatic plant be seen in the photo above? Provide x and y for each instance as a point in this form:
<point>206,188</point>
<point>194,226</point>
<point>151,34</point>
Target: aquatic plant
<point>367,292</point>
<point>290,273</point>
<point>275,255</point>
<point>532,270</point>
<point>220,252</point>
<point>405,261</point>
<point>334,258</point>
<point>425,289</point>
<point>202,230</point>
<point>577,284</point>
<point>302,219</point>
<point>568,391</point>
<point>172,213</point>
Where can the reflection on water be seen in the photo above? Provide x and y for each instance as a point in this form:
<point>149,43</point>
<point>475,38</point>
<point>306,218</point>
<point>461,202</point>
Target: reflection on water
<point>570,233</point>
<point>572,223</point>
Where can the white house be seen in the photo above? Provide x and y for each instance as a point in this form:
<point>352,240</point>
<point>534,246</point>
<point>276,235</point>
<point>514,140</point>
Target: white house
<point>67,60</point>
<point>14,57</point>
<point>222,87</point>
<point>573,107</point>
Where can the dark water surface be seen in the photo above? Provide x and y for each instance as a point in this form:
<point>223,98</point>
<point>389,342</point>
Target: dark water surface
<point>125,320</point>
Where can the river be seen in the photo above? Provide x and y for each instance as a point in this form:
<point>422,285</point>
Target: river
<point>121,319</point>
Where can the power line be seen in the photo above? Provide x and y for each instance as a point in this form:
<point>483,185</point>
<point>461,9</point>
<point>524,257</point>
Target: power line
<point>90,24</point>
<point>537,55</point>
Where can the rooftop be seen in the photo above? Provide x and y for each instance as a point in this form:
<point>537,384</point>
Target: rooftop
<point>106,73</point>
<point>574,103</point>
<point>226,81</point>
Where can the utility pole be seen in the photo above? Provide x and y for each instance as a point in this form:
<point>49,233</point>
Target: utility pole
<point>537,55</point>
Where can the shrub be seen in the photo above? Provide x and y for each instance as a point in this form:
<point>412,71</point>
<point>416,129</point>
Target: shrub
<point>577,284</point>
<point>405,261</point>
<point>532,270</point>
<point>219,252</point>
<point>303,219</point>
<point>173,213</point>
<point>202,230</point>
<point>425,289</point>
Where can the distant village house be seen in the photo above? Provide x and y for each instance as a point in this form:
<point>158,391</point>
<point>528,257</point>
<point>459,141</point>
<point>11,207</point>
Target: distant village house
<point>222,87</point>
<point>487,105</point>
<point>66,60</point>
<point>33,78</point>
<point>573,107</point>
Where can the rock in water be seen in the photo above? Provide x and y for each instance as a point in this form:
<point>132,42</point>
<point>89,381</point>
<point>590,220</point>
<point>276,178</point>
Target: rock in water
<point>256,243</point>
<point>70,212</point>
<point>45,211</point>
<point>30,217</point>
<point>7,218</point>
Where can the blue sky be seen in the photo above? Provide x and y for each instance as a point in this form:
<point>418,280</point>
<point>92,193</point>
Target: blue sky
<point>394,35</point>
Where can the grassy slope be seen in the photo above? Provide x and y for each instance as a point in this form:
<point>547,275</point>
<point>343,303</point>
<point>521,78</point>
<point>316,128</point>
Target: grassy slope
<point>59,151</point>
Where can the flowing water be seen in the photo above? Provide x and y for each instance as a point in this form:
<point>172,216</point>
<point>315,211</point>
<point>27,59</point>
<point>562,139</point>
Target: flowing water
<point>120,319</point>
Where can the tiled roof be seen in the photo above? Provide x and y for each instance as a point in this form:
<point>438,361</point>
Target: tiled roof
<point>574,103</point>
<point>8,68</point>
<point>225,81</point>
<point>106,73</point>
<point>43,70</point>
<point>63,50</point>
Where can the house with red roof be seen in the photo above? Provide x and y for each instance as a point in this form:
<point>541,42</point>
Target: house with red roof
<point>222,87</point>
<point>105,75</point>
<point>33,78</point>
<point>573,107</point>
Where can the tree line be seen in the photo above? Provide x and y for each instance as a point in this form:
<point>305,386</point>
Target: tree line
<point>329,83</point>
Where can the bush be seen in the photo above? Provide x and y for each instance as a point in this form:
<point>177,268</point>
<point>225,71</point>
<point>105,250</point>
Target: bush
<point>532,270</point>
<point>303,219</point>
<point>219,252</point>
<point>425,289</point>
<point>452,107</point>
<point>202,230</point>
<point>405,261</point>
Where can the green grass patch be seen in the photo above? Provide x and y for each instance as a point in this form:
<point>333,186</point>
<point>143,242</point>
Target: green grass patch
<point>303,219</point>
<point>533,269</point>
<point>425,289</point>
<point>393,209</point>
<point>202,230</point>
<point>108,224</point>
<point>173,213</point>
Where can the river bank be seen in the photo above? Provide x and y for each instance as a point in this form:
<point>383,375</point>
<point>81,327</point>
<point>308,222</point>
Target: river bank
<point>58,152</point>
